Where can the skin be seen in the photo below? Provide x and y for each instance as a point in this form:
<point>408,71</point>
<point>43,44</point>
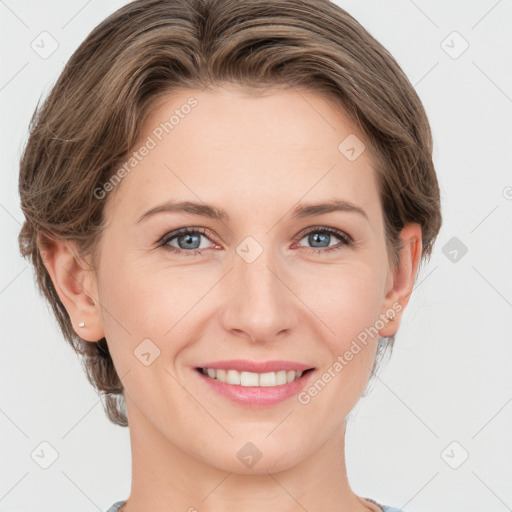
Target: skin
<point>256,156</point>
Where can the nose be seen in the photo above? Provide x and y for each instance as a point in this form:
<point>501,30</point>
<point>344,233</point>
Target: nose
<point>260,304</point>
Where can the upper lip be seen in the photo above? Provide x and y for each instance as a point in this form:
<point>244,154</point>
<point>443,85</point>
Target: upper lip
<point>243,365</point>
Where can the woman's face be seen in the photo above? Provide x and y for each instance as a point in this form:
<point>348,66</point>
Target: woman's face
<point>261,282</point>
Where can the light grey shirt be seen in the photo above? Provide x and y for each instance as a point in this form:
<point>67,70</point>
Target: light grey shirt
<point>385,508</point>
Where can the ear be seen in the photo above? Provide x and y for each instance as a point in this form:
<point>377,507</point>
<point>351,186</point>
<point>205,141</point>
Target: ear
<point>402,278</point>
<point>75,284</point>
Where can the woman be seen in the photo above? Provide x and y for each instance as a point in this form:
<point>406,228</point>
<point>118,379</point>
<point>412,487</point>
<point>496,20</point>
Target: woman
<point>226,205</point>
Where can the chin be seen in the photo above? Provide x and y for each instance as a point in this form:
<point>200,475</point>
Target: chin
<point>257,458</point>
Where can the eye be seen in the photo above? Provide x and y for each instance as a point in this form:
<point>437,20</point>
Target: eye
<point>188,241</point>
<point>320,237</point>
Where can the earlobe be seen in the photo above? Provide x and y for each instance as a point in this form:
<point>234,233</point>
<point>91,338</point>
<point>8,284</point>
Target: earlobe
<point>75,284</point>
<point>404,276</point>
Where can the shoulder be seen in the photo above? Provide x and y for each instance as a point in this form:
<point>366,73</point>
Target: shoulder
<point>117,504</point>
<point>385,508</point>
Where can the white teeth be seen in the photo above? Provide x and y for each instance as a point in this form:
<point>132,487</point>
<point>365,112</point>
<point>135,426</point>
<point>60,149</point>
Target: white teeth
<point>249,379</point>
<point>281,377</point>
<point>268,379</point>
<point>233,377</point>
<point>252,379</point>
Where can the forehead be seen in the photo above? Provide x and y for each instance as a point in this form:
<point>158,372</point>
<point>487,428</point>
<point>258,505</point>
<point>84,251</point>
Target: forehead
<point>231,147</point>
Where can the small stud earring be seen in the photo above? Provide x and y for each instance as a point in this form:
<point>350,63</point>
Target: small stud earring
<point>81,324</point>
<point>390,317</point>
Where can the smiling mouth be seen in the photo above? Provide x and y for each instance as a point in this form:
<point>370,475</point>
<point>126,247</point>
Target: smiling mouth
<point>252,379</point>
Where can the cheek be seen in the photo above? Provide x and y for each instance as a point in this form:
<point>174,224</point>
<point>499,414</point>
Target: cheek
<point>350,309</point>
<point>347,298</point>
<point>155,302</point>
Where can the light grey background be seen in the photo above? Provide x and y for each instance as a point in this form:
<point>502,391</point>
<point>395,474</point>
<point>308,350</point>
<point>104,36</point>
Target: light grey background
<point>450,375</point>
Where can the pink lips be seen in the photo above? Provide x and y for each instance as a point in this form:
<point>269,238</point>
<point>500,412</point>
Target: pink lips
<point>256,396</point>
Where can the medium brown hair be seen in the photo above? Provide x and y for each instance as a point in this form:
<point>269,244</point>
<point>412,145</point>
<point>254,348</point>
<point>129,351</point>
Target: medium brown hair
<point>91,120</point>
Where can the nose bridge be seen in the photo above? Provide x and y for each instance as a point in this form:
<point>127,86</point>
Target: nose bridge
<point>259,302</point>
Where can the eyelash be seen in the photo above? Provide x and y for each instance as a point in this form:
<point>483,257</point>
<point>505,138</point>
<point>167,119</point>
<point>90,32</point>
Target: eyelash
<point>346,240</point>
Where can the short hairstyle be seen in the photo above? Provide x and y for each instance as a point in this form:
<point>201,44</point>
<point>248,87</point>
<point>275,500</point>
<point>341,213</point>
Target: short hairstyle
<point>92,118</point>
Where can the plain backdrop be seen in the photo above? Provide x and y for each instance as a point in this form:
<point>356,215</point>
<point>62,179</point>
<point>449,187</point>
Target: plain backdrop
<point>434,433</point>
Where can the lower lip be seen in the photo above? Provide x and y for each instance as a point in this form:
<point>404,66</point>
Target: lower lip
<point>256,395</point>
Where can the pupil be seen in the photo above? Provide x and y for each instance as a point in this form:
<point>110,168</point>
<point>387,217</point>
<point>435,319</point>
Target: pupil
<point>319,237</point>
<point>189,239</point>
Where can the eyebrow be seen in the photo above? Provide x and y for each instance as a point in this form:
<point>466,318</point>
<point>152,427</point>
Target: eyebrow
<point>210,211</point>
